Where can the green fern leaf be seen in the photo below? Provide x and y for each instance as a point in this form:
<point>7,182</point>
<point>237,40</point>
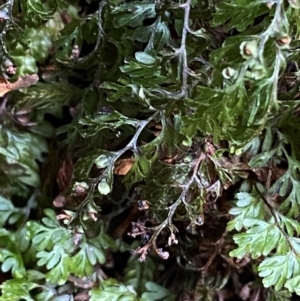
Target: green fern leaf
<point>155,292</point>
<point>17,289</point>
<point>50,233</point>
<point>249,206</point>
<point>260,239</point>
<point>10,253</point>
<point>282,295</point>
<point>238,13</point>
<point>276,270</point>
<point>112,290</point>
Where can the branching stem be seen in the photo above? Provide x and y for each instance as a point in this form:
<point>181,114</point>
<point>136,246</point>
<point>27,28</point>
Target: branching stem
<point>172,209</point>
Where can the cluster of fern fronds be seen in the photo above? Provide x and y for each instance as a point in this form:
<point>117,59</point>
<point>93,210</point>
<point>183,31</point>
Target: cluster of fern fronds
<point>159,144</point>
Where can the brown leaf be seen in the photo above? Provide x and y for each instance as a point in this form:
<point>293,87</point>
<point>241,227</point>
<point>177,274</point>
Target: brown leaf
<point>65,173</point>
<point>22,82</point>
<point>123,166</point>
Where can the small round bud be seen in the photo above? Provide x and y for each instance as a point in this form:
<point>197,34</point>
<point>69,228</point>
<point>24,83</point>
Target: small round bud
<point>164,255</point>
<point>80,188</point>
<point>103,187</point>
<point>229,72</point>
<point>284,42</point>
<point>249,49</point>
<point>102,161</point>
<point>75,52</point>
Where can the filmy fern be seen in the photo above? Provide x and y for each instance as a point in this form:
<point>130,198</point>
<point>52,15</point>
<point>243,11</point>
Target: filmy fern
<point>148,119</point>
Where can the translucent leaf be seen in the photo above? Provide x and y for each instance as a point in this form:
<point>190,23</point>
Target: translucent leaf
<point>140,168</point>
<point>132,14</point>
<point>111,121</point>
<point>238,13</point>
<point>290,206</point>
<point>11,256</point>
<point>115,91</point>
<point>102,161</point>
<point>283,295</point>
<point>91,255</point>
<point>156,292</point>
<point>22,159</point>
<point>262,159</point>
<point>103,187</point>
<point>112,290</point>
<point>40,9</point>
<point>145,58</point>
<point>268,140</point>
<point>7,210</point>
<point>16,290</point>
<point>99,255</point>
<point>142,34</point>
<point>26,64</point>
<point>282,186</point>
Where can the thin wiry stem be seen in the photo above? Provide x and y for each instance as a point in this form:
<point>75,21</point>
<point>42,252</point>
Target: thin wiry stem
<point>168,223</point>
<point>263,38</point>
<point>132,145</point>
<point>183,53</point>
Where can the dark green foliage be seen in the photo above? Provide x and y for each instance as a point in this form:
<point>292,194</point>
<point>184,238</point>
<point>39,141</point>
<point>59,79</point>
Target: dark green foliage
<point>165,129</point>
